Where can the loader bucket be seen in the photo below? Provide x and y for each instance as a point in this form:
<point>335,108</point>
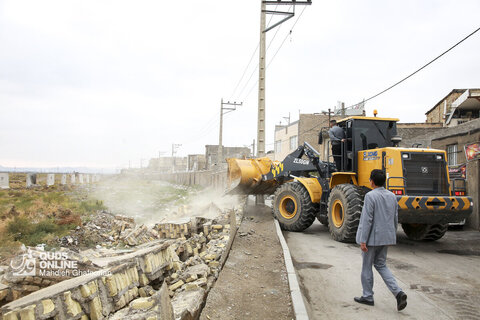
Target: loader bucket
<point>245,176</point>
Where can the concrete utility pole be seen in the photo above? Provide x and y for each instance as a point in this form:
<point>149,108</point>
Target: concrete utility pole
<point>261,65</point>
<point>228,109</point>
<point>175,146</point>
<point>261,84</point>
<point>261,69</point>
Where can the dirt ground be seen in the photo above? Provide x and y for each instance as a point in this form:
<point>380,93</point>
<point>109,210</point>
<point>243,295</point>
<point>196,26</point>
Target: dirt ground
<point>253,283</point>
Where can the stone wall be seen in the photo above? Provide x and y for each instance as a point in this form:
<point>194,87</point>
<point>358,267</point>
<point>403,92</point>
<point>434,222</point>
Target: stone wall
<point>216,179</point>
<point>417,133</point>
<point>95,295</point>
<point>139,284</point>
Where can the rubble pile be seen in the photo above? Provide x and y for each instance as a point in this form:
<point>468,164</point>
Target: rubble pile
<point>163,271</point>
<point>108,230</point>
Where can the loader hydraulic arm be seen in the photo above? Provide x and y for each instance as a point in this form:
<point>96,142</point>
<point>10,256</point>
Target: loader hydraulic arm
<point>293,164</point>
<point>314,156</point>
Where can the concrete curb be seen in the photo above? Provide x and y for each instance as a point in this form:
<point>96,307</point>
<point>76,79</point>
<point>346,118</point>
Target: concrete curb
<point>297,300</point>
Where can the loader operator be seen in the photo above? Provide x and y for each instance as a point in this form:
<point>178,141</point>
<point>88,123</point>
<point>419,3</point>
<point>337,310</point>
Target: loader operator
<point>337,136</point>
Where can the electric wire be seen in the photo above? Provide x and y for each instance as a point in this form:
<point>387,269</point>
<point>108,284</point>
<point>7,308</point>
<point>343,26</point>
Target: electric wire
<point>256,68</point>
<point>418,70</point>
<point>286,37</point>
<point>250,61</point>
<point>407,77</point>
<point>206,129</point>
<point>276,52</point>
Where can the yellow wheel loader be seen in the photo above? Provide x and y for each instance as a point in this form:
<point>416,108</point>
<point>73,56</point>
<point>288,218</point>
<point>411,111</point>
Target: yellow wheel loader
<point>305,188</point>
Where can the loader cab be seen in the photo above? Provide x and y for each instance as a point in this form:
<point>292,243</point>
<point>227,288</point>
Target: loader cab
<point>365,133</point>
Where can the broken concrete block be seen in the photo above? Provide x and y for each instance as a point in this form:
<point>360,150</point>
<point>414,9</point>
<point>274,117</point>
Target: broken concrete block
<point>187,303</point>
<point>73,307</point>
<point>48,306</point>
<point>28,313</point>
<point>200,270</point>
<point>142,303</point>
<point>176,285</point>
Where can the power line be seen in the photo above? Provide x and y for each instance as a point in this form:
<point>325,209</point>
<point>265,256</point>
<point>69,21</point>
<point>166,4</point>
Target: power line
<point>275,54</point>
<point>397,83</point>
<point>418,70</point>
<point>286,37</point>
<point>244,71</point>
<point>250,61</point>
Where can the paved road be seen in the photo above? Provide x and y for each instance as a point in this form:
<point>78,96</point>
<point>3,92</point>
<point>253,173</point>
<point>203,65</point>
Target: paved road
<point>441,279</point>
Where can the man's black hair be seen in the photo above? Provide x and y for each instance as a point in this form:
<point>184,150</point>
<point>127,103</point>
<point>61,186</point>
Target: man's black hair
<point>378,177</point>
<point>333,121</point>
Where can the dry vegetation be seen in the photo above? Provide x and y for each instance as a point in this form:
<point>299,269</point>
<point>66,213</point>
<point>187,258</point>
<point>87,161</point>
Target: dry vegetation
<point>40,215</point>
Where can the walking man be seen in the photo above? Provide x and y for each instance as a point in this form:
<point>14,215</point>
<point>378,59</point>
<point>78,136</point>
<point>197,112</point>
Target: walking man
<point>378,230</point>
<point>337,136</point>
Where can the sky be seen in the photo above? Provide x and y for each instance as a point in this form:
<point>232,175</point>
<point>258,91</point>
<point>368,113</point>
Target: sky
<point>113,83</point>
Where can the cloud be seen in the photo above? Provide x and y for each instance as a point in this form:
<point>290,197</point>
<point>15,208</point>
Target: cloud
<point>107,82</point>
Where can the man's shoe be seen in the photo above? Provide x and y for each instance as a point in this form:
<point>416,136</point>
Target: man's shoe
<point>363,301</point>
<point>401,300</point>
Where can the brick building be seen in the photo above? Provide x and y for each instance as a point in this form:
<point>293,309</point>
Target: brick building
<point>457,107</point>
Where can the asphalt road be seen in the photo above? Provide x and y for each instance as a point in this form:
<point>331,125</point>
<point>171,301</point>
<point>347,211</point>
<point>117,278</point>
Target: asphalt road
<point>441,279</point>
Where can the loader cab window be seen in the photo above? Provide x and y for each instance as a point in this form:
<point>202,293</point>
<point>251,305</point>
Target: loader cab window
<point>370,134</point>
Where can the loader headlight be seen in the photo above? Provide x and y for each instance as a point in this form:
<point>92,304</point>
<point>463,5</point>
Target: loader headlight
<point>405,156</point>
<point>439,157</point>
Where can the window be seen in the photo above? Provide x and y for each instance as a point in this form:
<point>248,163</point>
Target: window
<point>278,146</point>
<point>452,154</point>
<point>373,134</point>
<point>293,142</point>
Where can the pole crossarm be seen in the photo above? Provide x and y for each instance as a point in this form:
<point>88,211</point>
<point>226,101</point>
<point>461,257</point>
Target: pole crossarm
<point>288,15</point>
<point>279,2</point>
<point>231,106</point>
<point>278,12</point>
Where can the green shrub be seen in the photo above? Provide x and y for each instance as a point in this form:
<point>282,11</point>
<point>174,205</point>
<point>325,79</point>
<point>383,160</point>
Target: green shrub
<point>30,233</point>
<point>19,227</point>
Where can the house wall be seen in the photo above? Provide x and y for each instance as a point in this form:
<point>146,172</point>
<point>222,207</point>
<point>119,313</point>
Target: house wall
<point>463,134</point>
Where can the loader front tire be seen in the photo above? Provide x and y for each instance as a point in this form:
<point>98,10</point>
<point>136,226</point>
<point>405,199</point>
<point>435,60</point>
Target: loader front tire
<point>424,232</point>
<point>344,208</point>
<point>293,208</point>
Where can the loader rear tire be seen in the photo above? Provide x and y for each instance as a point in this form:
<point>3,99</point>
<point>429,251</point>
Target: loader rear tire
<point>424,232</point>
<point>344,208</point>
<point>293,208</point>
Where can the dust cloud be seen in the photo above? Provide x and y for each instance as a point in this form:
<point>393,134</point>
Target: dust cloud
<point>150,202</point>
